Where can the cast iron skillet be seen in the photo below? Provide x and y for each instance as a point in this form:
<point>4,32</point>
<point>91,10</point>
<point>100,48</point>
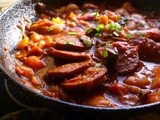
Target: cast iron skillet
<point>9,37</point>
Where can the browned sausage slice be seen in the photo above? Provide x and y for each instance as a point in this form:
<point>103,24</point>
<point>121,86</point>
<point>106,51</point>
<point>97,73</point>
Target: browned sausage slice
<point>89,79</point>
<point>73,56</point>
<point>70,69</point>
<point>66,42</point>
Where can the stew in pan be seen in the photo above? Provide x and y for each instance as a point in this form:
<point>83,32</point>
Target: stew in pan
<point>101,54</point>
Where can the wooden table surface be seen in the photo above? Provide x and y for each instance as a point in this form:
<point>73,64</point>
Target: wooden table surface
<point>4,4</point>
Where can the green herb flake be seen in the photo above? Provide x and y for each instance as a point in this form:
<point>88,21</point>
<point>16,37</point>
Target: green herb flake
<point>141,35</point>
<point>100,28</point>
<point>108,45</point>
<point>98,65</point>
<point>129,35</point>
<point>118,17</point>
<point>68,42</point>
<point>89,30</point>
<point>72,33</point>
<point>142,24</point>
<point>114,27</point>
<point>97,15</point>
<point>50,29</point>
<point>87,43</point>
<point>98,35</point>
<point>105,53</point>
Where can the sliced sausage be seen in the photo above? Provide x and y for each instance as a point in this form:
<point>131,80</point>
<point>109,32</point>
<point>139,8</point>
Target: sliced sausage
<point>70,69</point>
<point>89,79</point>
<point>69,43</point>
<point>148,49</point>
<point>72,56</point>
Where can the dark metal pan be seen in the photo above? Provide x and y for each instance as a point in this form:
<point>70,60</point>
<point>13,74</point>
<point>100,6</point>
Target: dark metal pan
<point>9,36</point>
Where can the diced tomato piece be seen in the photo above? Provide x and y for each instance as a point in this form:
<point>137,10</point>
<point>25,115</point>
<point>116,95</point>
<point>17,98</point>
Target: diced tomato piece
<point>137,80</point>
<point>22,80</point>
<point>156,79</point>
<point>48,41</point>
<point>23,43</point>
<point>24,71</point>
<point>155,83</point>
<point>35,37</point>
<point>50,93</point>
<point>34,62</point>
<point>99,101</point>
<point>35,51</point>
<point>41,44</point>
<point>104,19</point>
<point>35,81</point>
<point>154,97</point>
<point>118,89</point>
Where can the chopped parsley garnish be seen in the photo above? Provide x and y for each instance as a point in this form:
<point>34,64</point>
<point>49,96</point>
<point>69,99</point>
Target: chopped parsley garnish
<point>98,35</point>
<point>72,33</point>
<point>108,45</point>
<point>100,28</point>
<point>50,29</point>
<point>97,15</point>
<point>97,32</point>
<point>129,35</point>
<point>104,53</point>
<point>98,65</point>
<point>114,27</point>
<point>141,35</point>
<point>89,30</point>
<point>118,17</point>
<point>68,42</point>
<point>87,43</point>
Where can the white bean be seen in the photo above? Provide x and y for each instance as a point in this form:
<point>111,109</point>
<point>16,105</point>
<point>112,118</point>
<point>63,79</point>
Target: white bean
<point>131,25</point>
